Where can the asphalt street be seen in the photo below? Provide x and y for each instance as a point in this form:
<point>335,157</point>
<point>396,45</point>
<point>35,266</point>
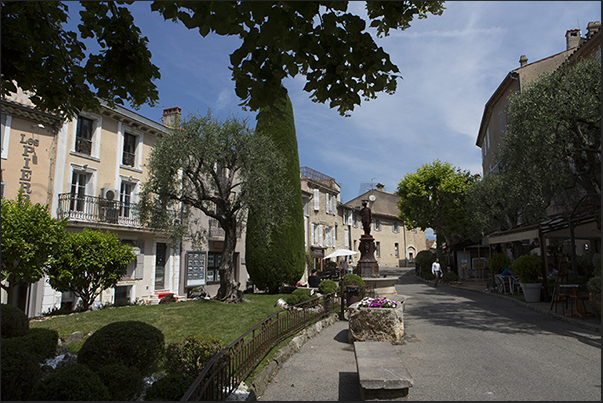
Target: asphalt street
<point>458,345</point>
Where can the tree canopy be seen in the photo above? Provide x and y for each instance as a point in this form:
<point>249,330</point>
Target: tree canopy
<point>29,238</point>
<point>87,263</point>
<point>56,68</point>
<point>220,169</point>
<point>551,151</point>
<point>434,197</point>
<point>319,39</point>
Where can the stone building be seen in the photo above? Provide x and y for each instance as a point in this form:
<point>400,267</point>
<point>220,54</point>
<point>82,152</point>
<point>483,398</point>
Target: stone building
<point>396,246</point>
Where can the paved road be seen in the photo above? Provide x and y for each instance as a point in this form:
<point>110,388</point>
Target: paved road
<point>458,345</point>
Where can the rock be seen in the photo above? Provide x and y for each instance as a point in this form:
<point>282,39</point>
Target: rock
<point>376,324</point>
<point>75,336</point>
<point>169,298</point>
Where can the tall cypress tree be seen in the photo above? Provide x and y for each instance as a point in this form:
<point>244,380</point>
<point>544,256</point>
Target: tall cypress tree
<point>280,259</point>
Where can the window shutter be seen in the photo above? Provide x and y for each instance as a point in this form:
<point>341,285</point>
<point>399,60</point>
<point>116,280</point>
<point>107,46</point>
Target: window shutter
<point>316,200</point>
<point>320,236</point>
<point>328,202</point>
<point>334,207</point>
<point>313,237</point>
<point>139,271</point>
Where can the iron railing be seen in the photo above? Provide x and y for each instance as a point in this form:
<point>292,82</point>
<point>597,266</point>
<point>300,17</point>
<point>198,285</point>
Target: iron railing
<point>96,209</point>
<point>226,370</point>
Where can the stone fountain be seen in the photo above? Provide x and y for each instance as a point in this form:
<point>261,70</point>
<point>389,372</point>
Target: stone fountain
<point>368,267</point>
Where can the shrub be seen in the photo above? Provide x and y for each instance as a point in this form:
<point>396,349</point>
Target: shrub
<point>39,342</point>
<point>449,277</point>
<point>424,260</point>
<point>498,262</point>
<point>354,279</point>
<point>13,321</point>
<point>594,285</point>
<point>169,388</point>
<point>298,296</point>
<point>327,286</point>
<point>122,382</point>
<point>72,382</point>
<point>19,373</point>
<point>190,355</point>
<point>528,268</point>
<point>132,343</point>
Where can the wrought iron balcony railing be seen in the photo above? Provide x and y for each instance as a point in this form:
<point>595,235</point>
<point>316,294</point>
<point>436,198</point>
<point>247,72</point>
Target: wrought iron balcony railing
<point>96,209</point>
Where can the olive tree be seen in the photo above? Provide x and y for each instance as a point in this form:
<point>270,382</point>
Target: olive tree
<point>218,168</point>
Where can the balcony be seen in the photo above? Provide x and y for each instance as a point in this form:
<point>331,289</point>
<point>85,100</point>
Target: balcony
<point>97,210</point>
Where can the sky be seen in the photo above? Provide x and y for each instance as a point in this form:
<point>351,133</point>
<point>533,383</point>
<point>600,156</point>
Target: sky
<point>450,66</point>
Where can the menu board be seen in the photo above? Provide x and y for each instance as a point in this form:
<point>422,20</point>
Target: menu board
<point>195,268</point>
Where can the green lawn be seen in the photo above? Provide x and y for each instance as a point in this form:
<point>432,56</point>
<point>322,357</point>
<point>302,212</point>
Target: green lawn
<point>226,322</point>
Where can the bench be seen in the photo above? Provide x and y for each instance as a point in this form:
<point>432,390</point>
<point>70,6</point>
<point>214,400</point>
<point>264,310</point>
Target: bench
<point>381,372</point>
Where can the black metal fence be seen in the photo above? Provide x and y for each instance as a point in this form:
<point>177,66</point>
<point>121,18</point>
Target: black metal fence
<point>225,371</point>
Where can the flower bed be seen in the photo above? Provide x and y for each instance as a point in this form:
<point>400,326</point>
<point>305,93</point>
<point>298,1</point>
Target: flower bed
<point>377,303</point>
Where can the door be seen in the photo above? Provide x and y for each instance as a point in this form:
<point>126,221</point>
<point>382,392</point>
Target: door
<point>160,266</point>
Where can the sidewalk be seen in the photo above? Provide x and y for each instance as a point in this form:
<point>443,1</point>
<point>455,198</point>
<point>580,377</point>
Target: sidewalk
<point>590,322</point>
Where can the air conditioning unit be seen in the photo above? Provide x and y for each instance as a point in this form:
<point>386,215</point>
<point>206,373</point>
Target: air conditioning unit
<point>108,194</point>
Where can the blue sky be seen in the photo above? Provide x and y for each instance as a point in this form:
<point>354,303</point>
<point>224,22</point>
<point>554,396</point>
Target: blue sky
<point>450,64</point>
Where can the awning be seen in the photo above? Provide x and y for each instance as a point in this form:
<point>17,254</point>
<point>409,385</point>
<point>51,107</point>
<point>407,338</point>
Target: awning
<point>526,234</point>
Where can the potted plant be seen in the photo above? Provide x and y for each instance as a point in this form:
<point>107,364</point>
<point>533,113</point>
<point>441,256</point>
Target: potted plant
<point>498,262</point>
<point>528,268</point>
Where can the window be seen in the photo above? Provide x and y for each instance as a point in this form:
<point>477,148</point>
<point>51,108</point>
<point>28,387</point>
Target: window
<point>6,121</point>
<point>316,200</point>
<point>79,180</point>
<point>396,227</point>
<point>396,250</point>
<point>125,198</point>
<point>213,267</point>
<point>377,223</point>
<point>83,135</point>
<point>129,155</point>
<point>378,249</point>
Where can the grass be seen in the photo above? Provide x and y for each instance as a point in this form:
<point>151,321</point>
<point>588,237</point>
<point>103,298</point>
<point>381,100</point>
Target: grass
<point>226,322</point>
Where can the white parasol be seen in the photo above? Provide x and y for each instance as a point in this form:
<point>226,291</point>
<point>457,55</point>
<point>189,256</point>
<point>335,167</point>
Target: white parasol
<point>341,252</point>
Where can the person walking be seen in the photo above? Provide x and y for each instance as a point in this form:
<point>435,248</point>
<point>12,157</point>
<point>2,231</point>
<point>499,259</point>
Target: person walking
<point>436,270</point>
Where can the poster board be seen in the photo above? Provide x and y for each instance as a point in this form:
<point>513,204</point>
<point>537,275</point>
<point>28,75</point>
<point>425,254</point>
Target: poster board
<point>196,264</point>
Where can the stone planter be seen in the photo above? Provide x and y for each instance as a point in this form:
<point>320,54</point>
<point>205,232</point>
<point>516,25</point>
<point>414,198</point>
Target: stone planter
<point>531,291</point>
<point>376,324</point>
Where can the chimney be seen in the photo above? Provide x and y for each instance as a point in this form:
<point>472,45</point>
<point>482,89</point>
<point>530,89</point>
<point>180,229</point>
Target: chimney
<point>572,38</point>
<point>380,186</point>
<point>593,28</point>
<point>171,117</point>
<point>523,60</point>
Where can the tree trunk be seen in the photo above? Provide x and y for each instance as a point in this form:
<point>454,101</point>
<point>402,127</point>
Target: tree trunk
<point>229,289</point>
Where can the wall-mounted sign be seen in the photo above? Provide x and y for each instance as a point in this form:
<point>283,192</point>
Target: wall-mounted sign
<point>196,263</point>
<point>29,156</point>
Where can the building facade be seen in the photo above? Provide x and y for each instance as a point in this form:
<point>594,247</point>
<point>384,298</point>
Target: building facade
<point>582,230</point>
<point>90,170</point>
<point>395,245</point>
